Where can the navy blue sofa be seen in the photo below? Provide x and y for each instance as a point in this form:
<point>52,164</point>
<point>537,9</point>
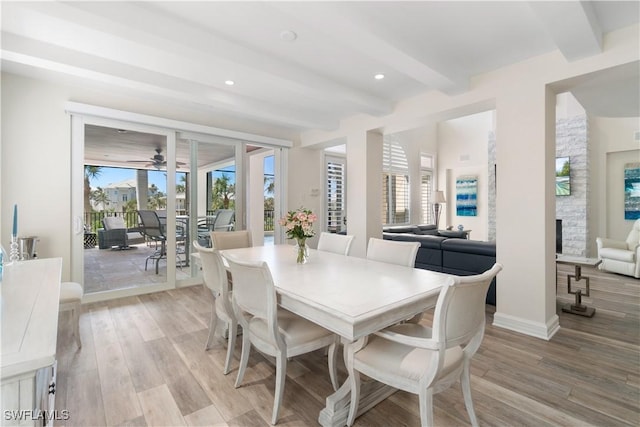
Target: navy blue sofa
<point>457,256</point>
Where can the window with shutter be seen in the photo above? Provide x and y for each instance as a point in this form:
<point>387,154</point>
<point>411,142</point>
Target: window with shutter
<point>426,189</point>
<point>335,191</point>
<point>395,181</point>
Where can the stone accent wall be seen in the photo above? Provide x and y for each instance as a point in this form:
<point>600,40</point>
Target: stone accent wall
<point>572,141</point>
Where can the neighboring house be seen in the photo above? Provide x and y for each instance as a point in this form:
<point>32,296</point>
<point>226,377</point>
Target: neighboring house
<point>117,195</point>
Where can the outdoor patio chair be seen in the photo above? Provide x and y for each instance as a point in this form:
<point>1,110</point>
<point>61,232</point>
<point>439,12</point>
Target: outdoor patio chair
<point>153,230</point>
<point>224,220</point>
<point>116,233</point>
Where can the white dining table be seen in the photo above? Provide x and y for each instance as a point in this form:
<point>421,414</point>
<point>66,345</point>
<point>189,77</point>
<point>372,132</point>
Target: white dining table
<point>351,296</point>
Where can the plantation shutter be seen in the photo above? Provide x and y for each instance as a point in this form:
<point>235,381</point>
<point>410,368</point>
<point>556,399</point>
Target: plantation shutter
<point>426,189</point>
<point>335,191</point>
<point>395,181</point>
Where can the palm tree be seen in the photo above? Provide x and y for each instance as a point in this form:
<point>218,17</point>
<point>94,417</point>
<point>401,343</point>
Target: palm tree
<point>157,199</point>
<point>222,192</point>
<point>100,197</point>
<point>90,172</point>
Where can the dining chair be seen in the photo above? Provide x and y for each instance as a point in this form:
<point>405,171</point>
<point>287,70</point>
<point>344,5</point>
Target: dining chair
<point>393,252</point>
<point>422,360</point>
<point>273,330</point>
<point>336,243</point>
<point>215,278</point>
<point>71,294</point>
<point>231,239</point>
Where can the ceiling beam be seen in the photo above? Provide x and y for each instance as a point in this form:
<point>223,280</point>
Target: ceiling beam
<point>178,52</point>
<point>572,25</point>
<point>348,31</point>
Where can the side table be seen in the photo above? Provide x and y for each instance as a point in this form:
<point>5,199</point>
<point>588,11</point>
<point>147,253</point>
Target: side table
<point>89,240</point>
<point>578,262</point>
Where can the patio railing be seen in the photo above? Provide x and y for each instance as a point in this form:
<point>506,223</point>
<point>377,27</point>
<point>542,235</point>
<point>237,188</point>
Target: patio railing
<point>93,220</point>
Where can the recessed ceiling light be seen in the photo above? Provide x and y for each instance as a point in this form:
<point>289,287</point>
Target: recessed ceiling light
<point>379,76</point>
<point>288,35</point>
<point>229,82</point>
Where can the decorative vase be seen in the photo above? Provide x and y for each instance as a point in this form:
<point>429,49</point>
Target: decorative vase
<point>302,251</point>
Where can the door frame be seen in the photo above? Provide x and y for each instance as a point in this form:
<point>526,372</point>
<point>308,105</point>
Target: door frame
<point>83,114</point>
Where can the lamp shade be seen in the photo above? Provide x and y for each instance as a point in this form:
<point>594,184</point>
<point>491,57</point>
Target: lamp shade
<point>439,197</point>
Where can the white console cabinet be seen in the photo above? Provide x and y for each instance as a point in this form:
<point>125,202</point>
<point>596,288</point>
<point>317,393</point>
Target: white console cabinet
<point>29,295</point>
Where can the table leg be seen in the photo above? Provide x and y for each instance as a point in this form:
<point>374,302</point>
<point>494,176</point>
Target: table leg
<point>578,308</point>
<point>336,411</point>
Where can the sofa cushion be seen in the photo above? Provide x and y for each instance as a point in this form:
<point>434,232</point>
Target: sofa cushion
<point>401,229</point>
<point>431,229</point>
<point>470,246</point>
<point>617,254</point>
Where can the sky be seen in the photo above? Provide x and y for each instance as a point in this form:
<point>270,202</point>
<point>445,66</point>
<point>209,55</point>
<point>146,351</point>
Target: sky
<point>115,175</point>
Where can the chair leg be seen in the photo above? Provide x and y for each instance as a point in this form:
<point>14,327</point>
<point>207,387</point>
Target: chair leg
<point>212,326</point>
<point>281,376</point>
<point>231,345</point>
<point>465,381</point>
<point>425,397</point>
<point>76,324</point>
<point>244,357</point>
<point>333,358</point>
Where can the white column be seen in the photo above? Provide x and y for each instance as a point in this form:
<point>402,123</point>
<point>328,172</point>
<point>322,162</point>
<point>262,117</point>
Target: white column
<point>142,188</point>
<point>525,152</point>
<point>256,198</point>
<point>364,189</point>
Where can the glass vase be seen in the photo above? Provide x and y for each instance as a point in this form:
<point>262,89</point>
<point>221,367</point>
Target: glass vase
<point>302,251</point>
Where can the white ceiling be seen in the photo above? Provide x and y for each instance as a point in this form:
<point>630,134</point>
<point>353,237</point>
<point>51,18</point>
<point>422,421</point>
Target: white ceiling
<point>181,53</point>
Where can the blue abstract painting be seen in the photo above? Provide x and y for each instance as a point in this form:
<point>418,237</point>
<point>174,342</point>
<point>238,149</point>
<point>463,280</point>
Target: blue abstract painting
<point>467,196</point>
<point>632,191</point>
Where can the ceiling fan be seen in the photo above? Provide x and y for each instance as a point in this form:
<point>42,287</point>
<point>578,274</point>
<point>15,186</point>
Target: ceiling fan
<point>157,161</point>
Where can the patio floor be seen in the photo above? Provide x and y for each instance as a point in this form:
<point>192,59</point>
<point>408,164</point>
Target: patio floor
<point>109,269</point>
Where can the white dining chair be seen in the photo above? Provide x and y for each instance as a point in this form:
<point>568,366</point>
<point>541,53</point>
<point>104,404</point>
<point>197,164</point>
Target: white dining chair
<point>336,243</point>
<point>215,278</point>
<point>392,252</point>
<point>231,239</point>
<point>273,330</point>
<point>71,294</point>
<point>422,360</point>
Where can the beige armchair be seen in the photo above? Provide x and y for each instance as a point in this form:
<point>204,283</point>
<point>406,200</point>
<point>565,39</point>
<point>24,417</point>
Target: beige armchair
<point>621,256</point>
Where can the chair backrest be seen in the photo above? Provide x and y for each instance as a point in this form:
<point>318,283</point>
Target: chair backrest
<point>254,294</point>
<point>231,239</point>
<point>633,239</point>
<point>151,224</point>
<point>336,243</point>
<point>393,252</point>
<point>224,220</point>
<point>460,310</point>
<point>213,271</point>
<point>113,223</point>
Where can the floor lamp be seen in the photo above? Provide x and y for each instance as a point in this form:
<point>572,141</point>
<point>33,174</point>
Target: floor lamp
<point>437,208</point>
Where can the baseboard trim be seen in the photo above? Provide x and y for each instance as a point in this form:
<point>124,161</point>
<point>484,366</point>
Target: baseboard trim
<point>527,327</point>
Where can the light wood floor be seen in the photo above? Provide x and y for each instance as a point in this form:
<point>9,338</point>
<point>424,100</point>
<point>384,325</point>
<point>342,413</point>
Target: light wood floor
<point>143,363</point>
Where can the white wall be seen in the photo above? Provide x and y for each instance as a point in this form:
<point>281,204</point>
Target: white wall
<point>463,151</point>
<point>305,176</point>
<point>612,143</point>
<point>36,160</point>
